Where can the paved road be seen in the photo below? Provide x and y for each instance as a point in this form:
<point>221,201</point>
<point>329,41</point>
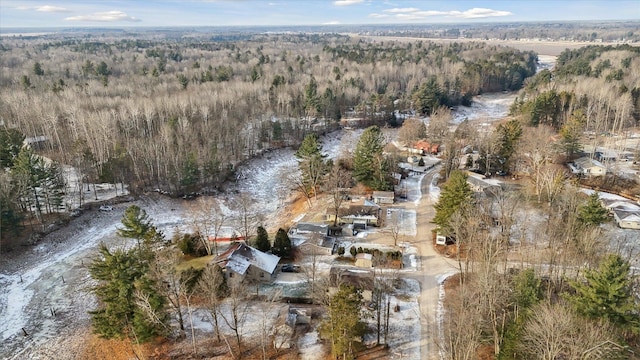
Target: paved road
<point>432,269</point>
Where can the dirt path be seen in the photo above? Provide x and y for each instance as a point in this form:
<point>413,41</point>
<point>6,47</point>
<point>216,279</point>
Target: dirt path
<point>433,269</point>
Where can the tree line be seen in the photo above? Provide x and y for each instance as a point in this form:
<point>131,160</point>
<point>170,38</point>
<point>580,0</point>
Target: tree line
<point>180,116</point>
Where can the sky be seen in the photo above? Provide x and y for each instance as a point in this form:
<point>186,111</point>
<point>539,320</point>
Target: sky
<point>162,13</point>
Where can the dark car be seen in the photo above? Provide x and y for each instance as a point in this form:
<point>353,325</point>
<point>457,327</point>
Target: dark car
<point>289,268</point>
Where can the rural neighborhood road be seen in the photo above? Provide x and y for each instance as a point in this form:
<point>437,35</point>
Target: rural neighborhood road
<point>433,268</point>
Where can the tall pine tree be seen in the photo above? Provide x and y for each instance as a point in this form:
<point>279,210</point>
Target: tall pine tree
<point>262,240</point>
<point>343,324</point>
<point>454,193</point>
<point>592,213</point>
<point>311,164</point>
<point>122,280</point>
<point>608,292</point>
<point>282,244</point>
<point>369,164</point>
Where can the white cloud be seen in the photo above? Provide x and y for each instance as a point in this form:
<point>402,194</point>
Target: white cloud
<point>417,14</point>
<point>44,8</point>
<point>476,13</point>
<point>347,2</point>
<point>374,15</point>
<point>401,10</point>
<point>50,8</point>
<point>332,23</point>
<point>106,16</point>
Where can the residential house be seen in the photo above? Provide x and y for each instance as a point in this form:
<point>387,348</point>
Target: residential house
<point>423,147</point>
<point>241,261</point>
<point>627,219</point>
<point>480,185</point>
<point>605,156</point>
<point>384,197</point>
<point>588,167</point>
<point>318,246</point>
<point>35,142</point>
<point>309,228</point>
<point>361,213</point>
<point>625,213</point>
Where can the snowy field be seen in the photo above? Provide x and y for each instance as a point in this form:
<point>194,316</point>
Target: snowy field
<point>485,108</point>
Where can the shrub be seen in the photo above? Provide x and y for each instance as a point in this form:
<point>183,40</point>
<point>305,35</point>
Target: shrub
<point>341,250</point>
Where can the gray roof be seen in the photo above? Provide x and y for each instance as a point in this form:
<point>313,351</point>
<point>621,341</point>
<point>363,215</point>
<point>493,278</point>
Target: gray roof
<point>240,256</point>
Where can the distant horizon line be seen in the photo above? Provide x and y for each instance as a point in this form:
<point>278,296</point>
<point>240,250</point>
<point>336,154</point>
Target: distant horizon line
<point>115,27</point>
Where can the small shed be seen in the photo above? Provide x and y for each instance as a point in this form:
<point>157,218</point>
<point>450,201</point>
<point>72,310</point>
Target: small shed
<point>364,260</point>
<point>384,197</point>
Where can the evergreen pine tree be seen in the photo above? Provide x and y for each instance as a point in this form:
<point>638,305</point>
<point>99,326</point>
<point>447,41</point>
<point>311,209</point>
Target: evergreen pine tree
<point>120,273</point>
<point>311,163</point>
<point>608,293</point>
<point>508,135</point>
<point>454,193</point>
<point>262,240</point>
<point>190,174</point>
<point>343,324</point>
<point>138,226</point>
<point>592,213</point>
<point>10,145</point>
<point>282,244</point>
<point>369,165</point>
<point>37,69</point>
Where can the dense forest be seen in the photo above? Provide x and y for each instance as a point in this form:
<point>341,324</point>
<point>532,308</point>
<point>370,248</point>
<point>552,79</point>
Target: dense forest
<point>178,113</point>
<point>592,91</point>
<point>584,31</point>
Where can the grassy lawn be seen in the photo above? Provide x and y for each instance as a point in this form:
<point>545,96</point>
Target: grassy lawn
<point>196,263</point>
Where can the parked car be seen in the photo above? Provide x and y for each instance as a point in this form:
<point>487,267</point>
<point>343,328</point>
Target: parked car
<point>106,208</point>
<point>290,268</point>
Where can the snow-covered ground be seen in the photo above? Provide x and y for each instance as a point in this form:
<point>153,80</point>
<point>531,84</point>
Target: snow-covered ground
<point>546,62</point>
<point>33,287</point>
<point>45,290</point>
<point>485,108</point>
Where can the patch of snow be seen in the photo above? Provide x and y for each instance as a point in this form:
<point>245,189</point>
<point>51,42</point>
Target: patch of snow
<point>434,190</point>
<point>310,346</point>
<point>485,108</point>
<point>604,195</point>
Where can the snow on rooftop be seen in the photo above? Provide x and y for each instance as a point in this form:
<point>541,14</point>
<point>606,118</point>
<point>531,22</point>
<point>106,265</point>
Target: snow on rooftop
<point>604,195</point>
<point>264,261</point>
<point>239,257</point>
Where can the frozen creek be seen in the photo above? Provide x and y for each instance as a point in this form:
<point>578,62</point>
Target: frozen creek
<point>45,290</point>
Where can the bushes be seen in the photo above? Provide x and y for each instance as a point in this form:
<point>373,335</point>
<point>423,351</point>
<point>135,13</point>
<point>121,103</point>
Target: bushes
<point>190,244</point>
<point>380,257</point>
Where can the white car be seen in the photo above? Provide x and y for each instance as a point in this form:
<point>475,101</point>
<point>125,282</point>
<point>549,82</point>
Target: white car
<point>106,208</point>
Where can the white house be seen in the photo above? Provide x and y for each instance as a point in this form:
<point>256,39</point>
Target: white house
<point>384,197</point>
<point>589,167</point>
<point>627,219</point>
